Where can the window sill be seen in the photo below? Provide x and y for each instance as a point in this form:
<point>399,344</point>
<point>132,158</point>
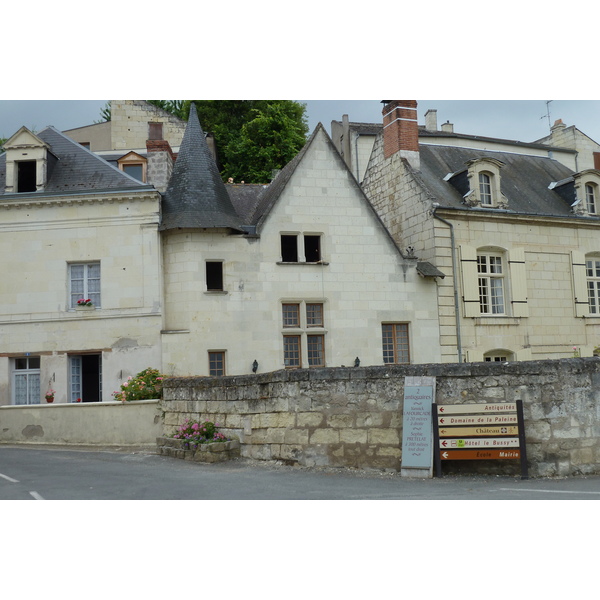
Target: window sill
<point>216,292</point>
<point>321,262</point>
<point>497,320</point>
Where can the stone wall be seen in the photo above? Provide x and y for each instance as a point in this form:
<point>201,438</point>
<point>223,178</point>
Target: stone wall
<point>352,417</point>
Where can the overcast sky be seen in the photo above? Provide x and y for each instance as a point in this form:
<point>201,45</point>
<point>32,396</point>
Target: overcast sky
<point>525,120</point>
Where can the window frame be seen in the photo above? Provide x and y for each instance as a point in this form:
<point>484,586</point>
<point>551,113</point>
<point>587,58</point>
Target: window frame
<point>95,296</point>
<point>307,320</point>
<point>591,198</point>
<point>32,378</point>
<point>487,283</point>
<point>391,333</point>
<point>217,366</point>
<point>592,278</point>
<point>291,245</point>
<point>292,354</point>
<point>486,196</point>
<point>215,282</point>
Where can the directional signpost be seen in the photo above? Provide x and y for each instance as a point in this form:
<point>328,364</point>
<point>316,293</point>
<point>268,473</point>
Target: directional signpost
<point>490,433</point>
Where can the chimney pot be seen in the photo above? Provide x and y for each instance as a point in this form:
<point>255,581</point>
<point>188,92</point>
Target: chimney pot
<point>448,127</point>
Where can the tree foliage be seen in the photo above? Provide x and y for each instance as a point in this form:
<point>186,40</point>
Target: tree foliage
<point>253,138</point>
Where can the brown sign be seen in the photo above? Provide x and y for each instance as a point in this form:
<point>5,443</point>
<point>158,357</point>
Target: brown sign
<point>477,420</point>
<point>479,454</point>
<point>461,409</point>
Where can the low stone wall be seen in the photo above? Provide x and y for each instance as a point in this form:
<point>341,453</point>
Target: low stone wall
<point>205,453</point>
<point>95,423</point>
<point>352,417</point>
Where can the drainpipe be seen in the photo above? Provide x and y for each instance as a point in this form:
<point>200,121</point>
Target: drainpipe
<point>454,282</point>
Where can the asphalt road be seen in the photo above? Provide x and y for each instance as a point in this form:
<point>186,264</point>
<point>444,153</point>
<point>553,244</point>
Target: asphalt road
<point>64,474</point>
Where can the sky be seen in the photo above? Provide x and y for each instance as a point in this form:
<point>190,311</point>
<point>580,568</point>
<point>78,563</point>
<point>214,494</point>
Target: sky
<point>523,120</point>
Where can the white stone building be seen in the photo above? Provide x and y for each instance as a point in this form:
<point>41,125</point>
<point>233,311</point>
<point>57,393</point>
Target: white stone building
<point>203,279</point>
<point>514,226</point>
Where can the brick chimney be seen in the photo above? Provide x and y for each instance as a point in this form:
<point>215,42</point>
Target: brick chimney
<point>401,130</point>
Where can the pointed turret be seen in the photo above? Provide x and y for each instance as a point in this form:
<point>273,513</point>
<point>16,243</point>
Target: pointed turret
<point>196,196</point>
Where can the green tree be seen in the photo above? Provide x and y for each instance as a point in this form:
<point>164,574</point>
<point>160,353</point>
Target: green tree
<point>239,154</point>
<point>2,142</point>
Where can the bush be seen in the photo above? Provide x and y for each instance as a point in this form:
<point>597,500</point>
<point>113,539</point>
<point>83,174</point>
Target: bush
<point>146,385</point>
<point>196,433</point>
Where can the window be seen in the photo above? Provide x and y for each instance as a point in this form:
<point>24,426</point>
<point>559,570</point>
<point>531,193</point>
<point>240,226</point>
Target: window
<point>155,131</point>
<point>291,315</point>
<point>216,363</point>
<point>291,351</point>
<point>492,357</point>
<point>26,176</point>
<point>214,276</point>
<point>592,270</point>
<point>26,380</point>
<point>590,198</point>
<point>485,189</point>
<point>491,284</point>
<point>303,316</point>
<point>311,244</point>
<point>135,170</point>
<point>316,350</point>
<point>289,248</point>
<point>85,144</point>
<point>84,282</point>
<point>312,248</point>
<point>395,343</point>
<point>314,315</point>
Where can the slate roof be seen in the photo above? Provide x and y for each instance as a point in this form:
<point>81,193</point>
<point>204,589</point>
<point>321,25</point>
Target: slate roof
<point>75,169</point>
<point>196,196</point>
<point>524,179</point>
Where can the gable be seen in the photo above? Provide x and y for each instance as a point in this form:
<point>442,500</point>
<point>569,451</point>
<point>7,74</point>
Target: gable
<point>321,196</point>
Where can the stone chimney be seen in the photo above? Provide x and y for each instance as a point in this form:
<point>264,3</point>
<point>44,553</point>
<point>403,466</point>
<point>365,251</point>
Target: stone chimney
<point>160,163</point>
<point>431,120</point>
<point>558,134</point>
<point>401,130</point>
<point>447,127</point>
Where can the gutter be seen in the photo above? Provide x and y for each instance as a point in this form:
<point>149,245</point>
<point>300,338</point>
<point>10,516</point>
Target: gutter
<point>454,283</point>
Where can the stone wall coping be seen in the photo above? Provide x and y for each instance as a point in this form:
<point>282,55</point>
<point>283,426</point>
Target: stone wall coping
<point>75,404</point>
<point>585,364</point>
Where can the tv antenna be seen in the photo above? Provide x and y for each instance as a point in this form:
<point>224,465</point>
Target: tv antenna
<point>547,115</point>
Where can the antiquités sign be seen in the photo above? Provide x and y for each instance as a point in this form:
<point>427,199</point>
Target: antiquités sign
<point>417,426</point>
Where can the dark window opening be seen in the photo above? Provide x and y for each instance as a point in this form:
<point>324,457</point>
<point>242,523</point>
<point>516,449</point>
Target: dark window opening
<point>312,248</point>
<point>155,131</point>
<point>214,276</point>
<point>26,176</point>
<point>136,171</point>
<point>289,248</point>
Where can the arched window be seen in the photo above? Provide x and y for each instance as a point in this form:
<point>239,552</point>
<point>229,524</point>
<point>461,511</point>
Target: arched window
<point>592,271</point>
<point>498,356</point>
<point>590,198</point>
<point>490,271</point>
<point>485,189</point>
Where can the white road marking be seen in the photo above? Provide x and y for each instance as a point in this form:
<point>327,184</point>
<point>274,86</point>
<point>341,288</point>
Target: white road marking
<point>545,491</point>
<point>9,478</point>
<point>36,496</point>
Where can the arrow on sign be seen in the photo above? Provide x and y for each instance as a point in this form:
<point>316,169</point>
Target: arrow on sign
<point>442,421</point>
<point>445,454</point>
<point>441,409</point>
<point>444,443</point>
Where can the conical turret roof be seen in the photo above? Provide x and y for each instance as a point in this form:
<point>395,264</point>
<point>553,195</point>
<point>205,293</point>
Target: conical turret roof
<point>196,196</point>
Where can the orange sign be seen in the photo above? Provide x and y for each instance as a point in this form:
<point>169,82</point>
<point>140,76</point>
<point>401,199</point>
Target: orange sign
<point>479,454</point>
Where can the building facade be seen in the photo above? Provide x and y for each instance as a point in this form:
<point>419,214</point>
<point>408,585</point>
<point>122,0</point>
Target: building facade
<point>513,226</point>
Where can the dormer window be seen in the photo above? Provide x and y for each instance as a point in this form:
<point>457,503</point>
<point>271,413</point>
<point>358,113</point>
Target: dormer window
<point>29,161</point>
<point>134,165</point>
<point>587,184</point>
<point>483,176</point>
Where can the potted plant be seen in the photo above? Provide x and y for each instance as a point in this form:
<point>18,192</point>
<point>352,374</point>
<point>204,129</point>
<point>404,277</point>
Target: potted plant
<point>50,395</point>
<point>84,304</point>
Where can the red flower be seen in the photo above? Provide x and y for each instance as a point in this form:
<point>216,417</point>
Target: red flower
<point>78,399</point>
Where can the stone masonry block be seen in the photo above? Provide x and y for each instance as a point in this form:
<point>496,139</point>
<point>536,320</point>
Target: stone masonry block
<point>325,436</point>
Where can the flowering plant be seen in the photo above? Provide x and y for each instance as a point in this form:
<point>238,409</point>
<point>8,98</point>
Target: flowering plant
<point>146,385</point>
<point>196,433</point>
<point>50,395</point>
<point>84,302</point>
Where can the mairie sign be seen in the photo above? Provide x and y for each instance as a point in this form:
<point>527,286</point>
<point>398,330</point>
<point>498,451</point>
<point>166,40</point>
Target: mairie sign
<point>479,454</point>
